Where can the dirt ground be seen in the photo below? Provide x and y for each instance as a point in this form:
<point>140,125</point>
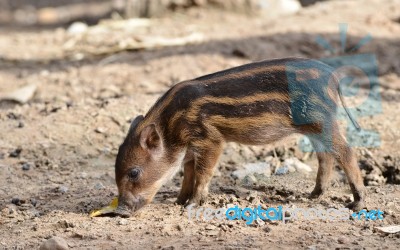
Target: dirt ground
<point>57,151</point>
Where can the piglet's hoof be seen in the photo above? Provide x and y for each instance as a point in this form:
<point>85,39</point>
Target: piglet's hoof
<point>198,200</point>
<point>316,193</point>
<point>182,199</point>
<point>356,205</point>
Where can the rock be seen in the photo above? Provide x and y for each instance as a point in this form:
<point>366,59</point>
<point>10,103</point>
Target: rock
<point>33,202</point>
<point>249,180</point>
<point>343,240</point>
<point>281,170</point>
<point>62,189</point>
<point>261,168</point>
<point>26,166</point>
<point>21,95</point>
<point>287,6</point>
<point>291,169</point>
<point>77,28</point>
<point>54,243</point>
<point>15,153</point>
<point>99,186</point>
<point>16,201</point>
<point>100,130</point>
<point>389,229</point>
<point>294,163</point>
<point>123,222</point>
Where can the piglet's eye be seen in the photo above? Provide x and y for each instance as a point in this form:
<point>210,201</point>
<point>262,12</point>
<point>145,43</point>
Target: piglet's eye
<point>134,174</point>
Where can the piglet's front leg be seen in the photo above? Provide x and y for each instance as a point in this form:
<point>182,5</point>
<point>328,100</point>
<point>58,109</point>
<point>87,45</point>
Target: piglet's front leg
<point>187,183</point>
<point>206,158</point>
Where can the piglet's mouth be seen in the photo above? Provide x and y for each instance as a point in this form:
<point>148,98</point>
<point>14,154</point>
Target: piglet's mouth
<point>128,208</point>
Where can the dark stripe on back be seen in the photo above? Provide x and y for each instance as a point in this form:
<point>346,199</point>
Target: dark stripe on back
<point>246,109</point>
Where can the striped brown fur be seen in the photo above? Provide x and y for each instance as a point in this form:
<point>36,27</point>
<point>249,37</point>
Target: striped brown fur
<point>251,104</point>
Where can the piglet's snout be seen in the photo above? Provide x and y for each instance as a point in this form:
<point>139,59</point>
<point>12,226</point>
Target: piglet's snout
<point>127,206</point>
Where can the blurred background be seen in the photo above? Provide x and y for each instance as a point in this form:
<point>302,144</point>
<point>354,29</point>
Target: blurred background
<point>73,75</point>
<point>63,12</point>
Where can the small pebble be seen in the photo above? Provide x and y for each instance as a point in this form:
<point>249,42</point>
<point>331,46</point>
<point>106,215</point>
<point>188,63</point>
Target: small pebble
<point>16,153</point>
<point>21,125</point>
<point>26,166</point>
<point>16,201</point>
<point>123,222</point>
<point>343,240</point>
<point>62,189</point>
<point>100,130</point>
<point>99,186</point>
<point>33,202</point>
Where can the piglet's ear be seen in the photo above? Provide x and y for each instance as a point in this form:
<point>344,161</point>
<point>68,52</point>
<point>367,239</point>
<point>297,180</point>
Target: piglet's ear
<point>150,139</point>
<point>135,122</point>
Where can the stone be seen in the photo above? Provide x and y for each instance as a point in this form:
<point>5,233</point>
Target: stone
<point>99,186</point>
<point>26,166</point>
<point>343,240</point>
<point>77,28</point>
<point>249,180</point>
<point>62,189</point>
<point>54,243</point>
<point>16,201</point>
<point>261,168</point>
<point>297,165</point>
<point>282,170</point>
<point>123,222</point>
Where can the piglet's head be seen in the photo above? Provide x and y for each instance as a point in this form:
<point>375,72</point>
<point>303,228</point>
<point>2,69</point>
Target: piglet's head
<point>140,167</point>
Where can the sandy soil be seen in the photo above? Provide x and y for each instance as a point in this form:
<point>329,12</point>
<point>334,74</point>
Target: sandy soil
<point>67,136</point>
